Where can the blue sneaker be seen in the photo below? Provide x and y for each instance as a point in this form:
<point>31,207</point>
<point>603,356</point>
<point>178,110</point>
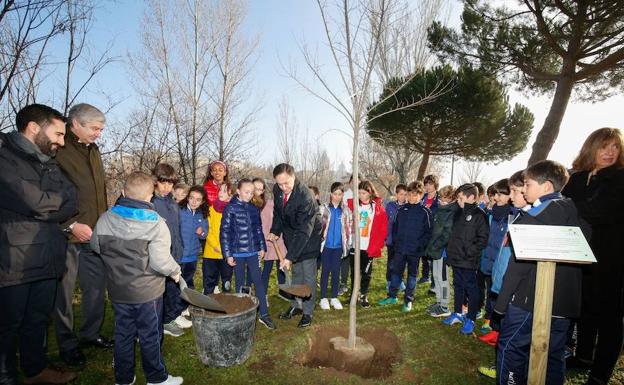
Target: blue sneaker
<point>402,286</point>
<point>468,327</point>
<point>388,301</point>
<point>453,319</point>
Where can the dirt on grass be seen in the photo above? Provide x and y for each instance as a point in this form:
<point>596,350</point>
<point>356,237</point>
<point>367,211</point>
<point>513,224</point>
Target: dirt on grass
<point>232,304</point>
<point>386,344</point>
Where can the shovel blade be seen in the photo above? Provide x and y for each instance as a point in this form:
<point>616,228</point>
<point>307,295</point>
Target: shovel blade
<point>196,298</point>
<point>302,291</point>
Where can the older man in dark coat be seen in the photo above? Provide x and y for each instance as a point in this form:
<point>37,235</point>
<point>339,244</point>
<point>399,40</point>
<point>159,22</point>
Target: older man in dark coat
<point>296,215</point>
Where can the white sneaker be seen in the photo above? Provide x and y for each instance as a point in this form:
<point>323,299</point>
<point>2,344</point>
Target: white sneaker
<point>183,322</point>
<point>171,380</point>
<point>186,313</point>
<point>335,302</point>
<point>216,290</point>
<point>324,304</point>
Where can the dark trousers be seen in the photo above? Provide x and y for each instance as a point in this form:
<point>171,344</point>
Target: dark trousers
<point>144,321</point>
<point>212,269</point>
<point>465,285</point>
<point>330,262</point>
<point>84,263</point>
<point>390,251</point>
<point>173,304</point>
<point>24,321</point>
<point>345,269</point>
<point>426,268</point>
<point>366,271</point>
<point>188,273</point>
<point>248,269</point>
<point>600,326</point>
<point>266,274</point>
<point>398,267</point>
<point>486,297</point>
<point>514,346</point>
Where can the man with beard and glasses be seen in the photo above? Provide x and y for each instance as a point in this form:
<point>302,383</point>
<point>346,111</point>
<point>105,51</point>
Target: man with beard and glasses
<point>35,197</point>
<point>81,162</point>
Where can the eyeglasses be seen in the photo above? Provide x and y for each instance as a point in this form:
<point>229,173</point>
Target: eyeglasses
<point>167,180</point>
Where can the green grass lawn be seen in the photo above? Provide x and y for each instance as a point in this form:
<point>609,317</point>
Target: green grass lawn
<point>431,352</point>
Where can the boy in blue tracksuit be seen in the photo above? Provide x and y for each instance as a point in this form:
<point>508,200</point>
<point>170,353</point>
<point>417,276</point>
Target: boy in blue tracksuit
<point>410,233</point>
<point>499,267</point>
<point>543,182</point>
<point>134,243</point>
<point>168,209</point>
<point>498,217</point>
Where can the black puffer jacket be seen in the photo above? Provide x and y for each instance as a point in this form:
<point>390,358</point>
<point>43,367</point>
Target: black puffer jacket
<point>35,197</point>
<point>241,229</point>
<point>468,237</point>
<point>299,221</point>
<point>442,226</point>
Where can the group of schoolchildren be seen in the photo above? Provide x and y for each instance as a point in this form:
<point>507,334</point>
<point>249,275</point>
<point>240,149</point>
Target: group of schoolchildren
<point>153,235</point>
<point>469,232</point>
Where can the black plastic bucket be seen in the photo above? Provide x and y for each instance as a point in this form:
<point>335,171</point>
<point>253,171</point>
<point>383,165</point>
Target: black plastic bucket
<point>224,340</point>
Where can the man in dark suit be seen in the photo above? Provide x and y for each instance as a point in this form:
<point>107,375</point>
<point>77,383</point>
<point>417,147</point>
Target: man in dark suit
<point>297,217</point>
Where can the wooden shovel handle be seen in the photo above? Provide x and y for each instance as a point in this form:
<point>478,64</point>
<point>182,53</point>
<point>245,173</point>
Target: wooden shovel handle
<point>277,250</point>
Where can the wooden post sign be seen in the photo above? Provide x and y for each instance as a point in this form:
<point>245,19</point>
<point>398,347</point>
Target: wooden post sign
<point>547,245</point>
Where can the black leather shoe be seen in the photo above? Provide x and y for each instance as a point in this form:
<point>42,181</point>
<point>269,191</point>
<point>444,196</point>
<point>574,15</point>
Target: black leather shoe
<point>74,358</point>
<point>100,342</point>
<point>306,320</point>
<point>291,312</point>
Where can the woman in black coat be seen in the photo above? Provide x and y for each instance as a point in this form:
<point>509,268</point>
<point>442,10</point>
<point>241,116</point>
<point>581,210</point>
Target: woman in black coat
<point>597,189</point>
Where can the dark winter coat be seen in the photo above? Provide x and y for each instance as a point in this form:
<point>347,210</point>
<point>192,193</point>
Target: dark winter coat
<point>498,218</point>
<point>299,222</point>
<point>468,237</point>
<point>519,282</point>
<point>601,204</point>
<point>412,229</point>
<point>392,208</point>
<point>443,220</point>
<point>241,229</point>
<point>169,210</point>
<point>35,197</point>
<point>82,164</point>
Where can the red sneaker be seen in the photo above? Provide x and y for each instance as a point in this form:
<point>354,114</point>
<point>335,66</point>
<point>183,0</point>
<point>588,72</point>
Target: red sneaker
<point>491,338</point>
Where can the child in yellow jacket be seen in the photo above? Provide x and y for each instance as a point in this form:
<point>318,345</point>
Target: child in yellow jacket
<point>213,264</point>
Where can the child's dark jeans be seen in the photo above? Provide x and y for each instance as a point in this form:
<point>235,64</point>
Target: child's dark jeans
<point>330,261</point>
<point>144,321</point>
<point>398,267</point>
<point>465,286</point>
<point>250,266</point>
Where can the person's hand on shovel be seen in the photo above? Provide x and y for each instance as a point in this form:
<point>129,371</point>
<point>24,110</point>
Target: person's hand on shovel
<point>272,237</point>
<point>285,264</point>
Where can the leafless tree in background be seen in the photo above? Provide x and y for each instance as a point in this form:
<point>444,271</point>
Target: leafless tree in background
<point>197,75</point>
<point>353,32</point>
<point>26,29</point>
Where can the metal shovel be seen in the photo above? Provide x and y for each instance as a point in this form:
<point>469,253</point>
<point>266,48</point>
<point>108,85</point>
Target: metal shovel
<point>302,291</point>
<point>196,298</point>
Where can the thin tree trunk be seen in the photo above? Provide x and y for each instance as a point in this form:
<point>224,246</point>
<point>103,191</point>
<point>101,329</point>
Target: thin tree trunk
<point>356,240</point>
<point>423,164</point>
<point>550,130</point>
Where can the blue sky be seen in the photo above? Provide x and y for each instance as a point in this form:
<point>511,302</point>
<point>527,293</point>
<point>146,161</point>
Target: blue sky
<point>280,25</point>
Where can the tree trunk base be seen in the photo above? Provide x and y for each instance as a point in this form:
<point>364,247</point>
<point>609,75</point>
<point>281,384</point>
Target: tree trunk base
<point>356,360</point>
